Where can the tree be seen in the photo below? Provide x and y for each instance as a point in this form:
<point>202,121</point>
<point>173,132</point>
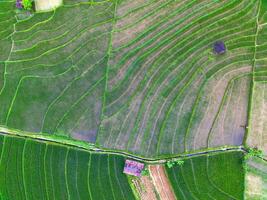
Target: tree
<point>145,172</point>
<point>173,162</point>
<point>179,162</point>
<point>253,152</point>
<point>27,4</point>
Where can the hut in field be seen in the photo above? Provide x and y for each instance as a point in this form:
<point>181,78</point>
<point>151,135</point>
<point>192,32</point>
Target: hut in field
<point>133,168</point>
<point>219,47</point>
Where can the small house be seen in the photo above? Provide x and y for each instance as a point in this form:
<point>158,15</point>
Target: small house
<point>219,47</point>
<point>133,168</point>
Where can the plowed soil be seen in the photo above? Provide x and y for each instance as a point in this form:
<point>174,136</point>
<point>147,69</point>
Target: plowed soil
<point>161,182</point>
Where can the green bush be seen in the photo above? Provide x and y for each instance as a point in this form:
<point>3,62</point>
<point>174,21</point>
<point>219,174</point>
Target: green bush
<point>253,152</point>
<point>27,4</point>
<point>145,172</point>
<point>173,162</point>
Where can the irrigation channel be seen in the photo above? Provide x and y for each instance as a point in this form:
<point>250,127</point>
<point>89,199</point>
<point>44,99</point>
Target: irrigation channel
<point>91,148</point>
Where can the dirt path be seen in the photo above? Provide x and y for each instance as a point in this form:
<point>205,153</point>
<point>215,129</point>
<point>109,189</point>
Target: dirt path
<point>161,182</point>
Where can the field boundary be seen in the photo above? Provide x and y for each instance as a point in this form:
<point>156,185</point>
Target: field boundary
<point>92,148</point>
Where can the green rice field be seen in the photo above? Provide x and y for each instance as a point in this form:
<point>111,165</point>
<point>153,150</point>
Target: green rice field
<point>31,170</point>
<point>219,176</point>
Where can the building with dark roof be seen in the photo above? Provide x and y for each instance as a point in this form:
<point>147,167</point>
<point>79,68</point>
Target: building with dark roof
<point>219,47</point>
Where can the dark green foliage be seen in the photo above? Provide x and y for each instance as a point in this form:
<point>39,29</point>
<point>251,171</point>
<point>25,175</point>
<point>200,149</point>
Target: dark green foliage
<point>145,171</point>
<point>251,152</point>
<point>27,4</point>
<point>217,176</point>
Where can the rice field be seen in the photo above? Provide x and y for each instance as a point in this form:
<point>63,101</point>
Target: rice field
<point>167,92</point>
<point>135,76</point>
<point>35,170</point>
<point>219,176</point>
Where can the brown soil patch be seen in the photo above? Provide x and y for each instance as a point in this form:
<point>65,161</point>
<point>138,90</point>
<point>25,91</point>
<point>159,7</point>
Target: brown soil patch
<point>161,182</point>
<point>145,188</point>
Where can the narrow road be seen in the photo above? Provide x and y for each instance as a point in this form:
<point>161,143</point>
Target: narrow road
<point>91,148</point>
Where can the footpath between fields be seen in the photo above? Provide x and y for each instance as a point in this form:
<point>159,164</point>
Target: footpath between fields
<point>85,146</point>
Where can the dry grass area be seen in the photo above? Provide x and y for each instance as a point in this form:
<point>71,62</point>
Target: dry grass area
<point>45,5</point>
<point>161,182</point>
<point>256,179</point>
<point>254,186</point>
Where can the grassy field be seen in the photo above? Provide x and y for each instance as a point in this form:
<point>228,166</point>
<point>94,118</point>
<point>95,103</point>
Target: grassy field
<point>137,76</point>
<point>34,170</point>
<point>218,177</point>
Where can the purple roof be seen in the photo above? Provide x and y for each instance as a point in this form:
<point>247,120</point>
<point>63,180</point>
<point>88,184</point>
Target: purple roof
<point>219,47</point>
<point>133,168</point>
<point>19,4</point>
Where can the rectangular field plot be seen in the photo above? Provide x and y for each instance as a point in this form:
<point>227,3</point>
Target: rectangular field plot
<point>257,132</point>
<point>256,179</point>
<point>38,171</point>
<point>219,176</point>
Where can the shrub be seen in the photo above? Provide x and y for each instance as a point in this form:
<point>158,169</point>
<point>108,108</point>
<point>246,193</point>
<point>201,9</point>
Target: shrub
<point>173,162</point>
<point>27,4</point>
<point>253,152</point>
<point>145,172</point>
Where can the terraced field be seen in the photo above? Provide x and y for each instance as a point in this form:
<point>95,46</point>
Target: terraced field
<point>137,76</point>
<point>175,92</point>
<point>209,177</point>
<point>132,76</point>
<point>55,71</point>
<point>33,170</point>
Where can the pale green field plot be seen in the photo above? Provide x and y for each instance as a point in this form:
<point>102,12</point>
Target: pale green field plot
<point>257,135</point>
<point>33,170</point>
<point>256,179</point>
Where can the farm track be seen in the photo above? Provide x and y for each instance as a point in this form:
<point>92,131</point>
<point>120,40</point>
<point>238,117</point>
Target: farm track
<point>86,147</point>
